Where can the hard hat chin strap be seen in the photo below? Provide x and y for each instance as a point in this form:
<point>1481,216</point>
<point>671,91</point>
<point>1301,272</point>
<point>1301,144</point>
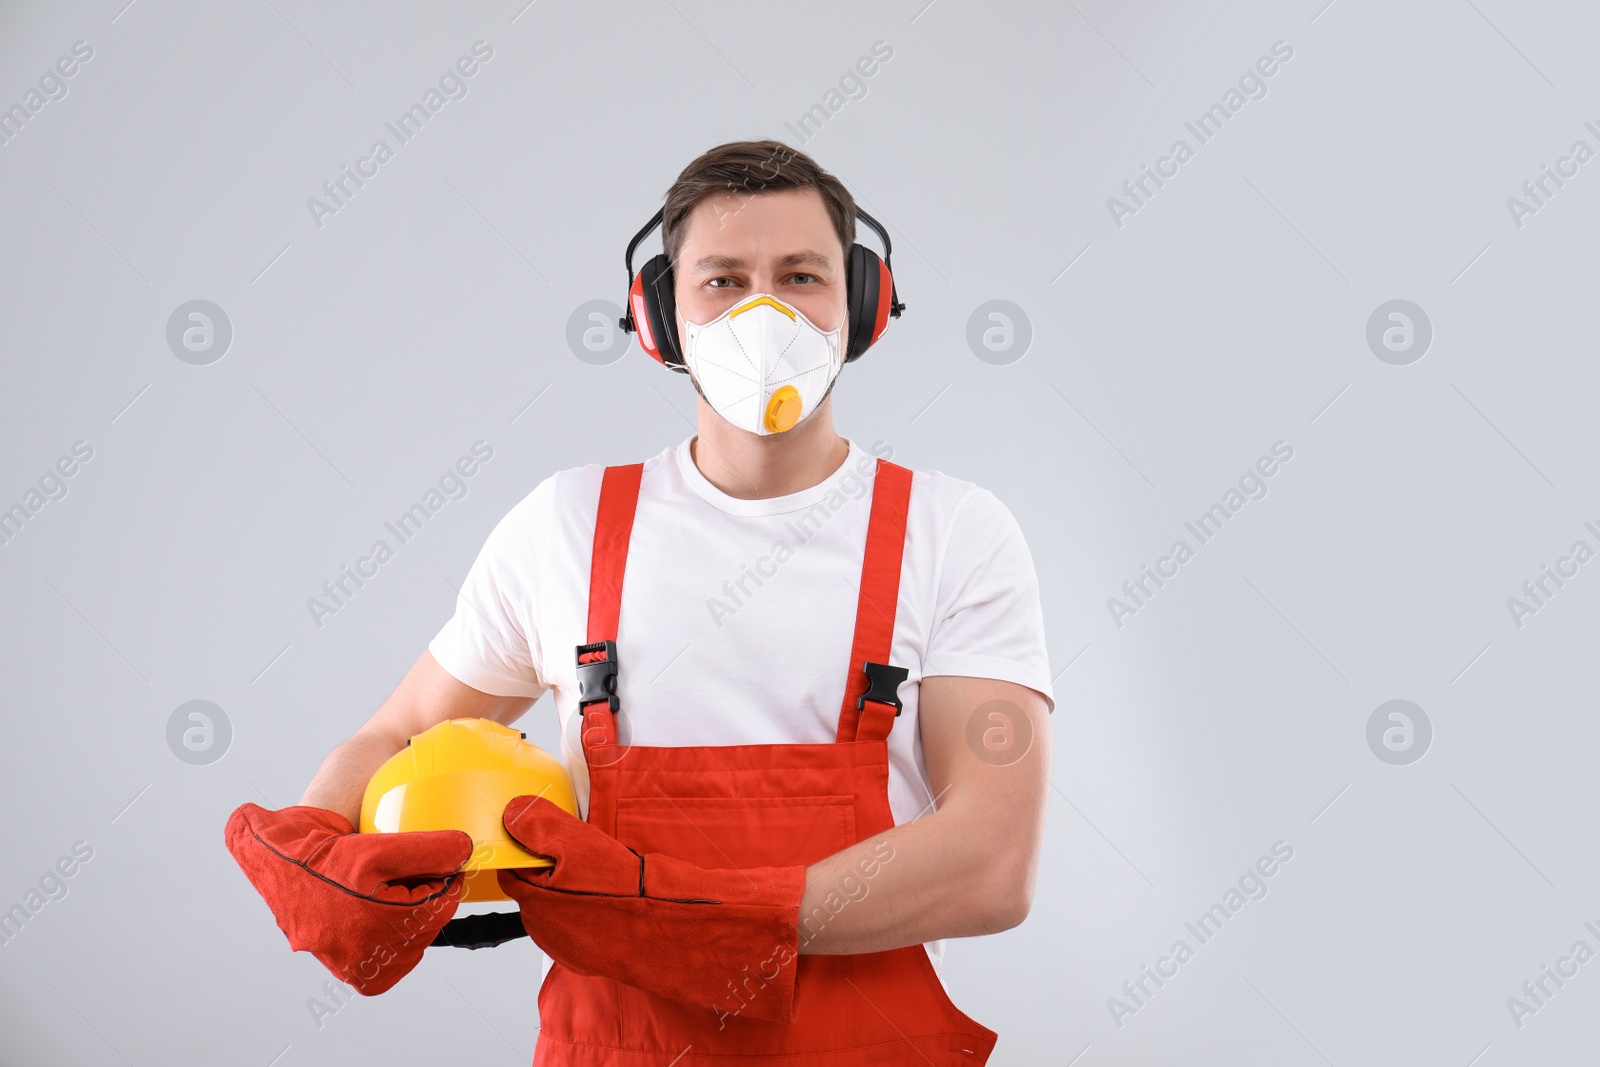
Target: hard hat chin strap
<point>481,931</point>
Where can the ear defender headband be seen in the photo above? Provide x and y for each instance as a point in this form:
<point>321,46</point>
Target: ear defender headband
<point>870,298</point>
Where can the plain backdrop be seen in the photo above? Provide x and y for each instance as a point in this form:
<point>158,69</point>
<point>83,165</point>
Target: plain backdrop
<point>1168,348</point>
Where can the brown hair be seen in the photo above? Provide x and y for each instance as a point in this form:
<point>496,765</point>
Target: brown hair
<point>753,167</point>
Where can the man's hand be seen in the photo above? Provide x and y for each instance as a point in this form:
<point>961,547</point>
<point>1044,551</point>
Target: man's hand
<point>366,905</point>
<point>654,922</point>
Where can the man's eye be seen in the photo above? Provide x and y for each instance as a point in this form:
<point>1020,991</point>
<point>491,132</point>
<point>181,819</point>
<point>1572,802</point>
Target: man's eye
<point>716,283</point>
<point>803,279</point>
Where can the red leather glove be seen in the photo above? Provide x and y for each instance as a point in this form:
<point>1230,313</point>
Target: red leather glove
<point>654,922</point>
<point>366,905</point>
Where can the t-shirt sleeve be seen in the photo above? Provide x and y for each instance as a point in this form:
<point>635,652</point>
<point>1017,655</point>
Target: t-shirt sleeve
<point>988,621</point>
<point>491,642</point>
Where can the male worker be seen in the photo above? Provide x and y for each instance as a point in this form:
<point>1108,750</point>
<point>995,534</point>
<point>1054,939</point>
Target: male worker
<point>793,728</point>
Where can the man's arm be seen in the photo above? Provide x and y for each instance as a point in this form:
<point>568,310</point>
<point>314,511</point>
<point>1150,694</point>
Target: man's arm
<point>964,869</point>
<point>426,696</point>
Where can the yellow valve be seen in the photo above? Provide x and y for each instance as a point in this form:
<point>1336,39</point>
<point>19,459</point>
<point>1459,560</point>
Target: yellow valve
<point>783,410</point>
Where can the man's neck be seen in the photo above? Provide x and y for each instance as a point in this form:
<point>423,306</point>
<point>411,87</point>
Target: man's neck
<point>754,467</point>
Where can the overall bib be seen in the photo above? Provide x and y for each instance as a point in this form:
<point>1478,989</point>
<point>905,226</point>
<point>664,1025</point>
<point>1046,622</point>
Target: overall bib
<point>744,806</point>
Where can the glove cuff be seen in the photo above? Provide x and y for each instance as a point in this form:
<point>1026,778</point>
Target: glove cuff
<point>763,905</point>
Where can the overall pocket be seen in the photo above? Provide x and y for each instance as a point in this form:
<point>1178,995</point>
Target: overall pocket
<point>724,832</point>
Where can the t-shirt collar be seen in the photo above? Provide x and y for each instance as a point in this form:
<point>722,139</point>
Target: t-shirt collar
<point>857,462</point>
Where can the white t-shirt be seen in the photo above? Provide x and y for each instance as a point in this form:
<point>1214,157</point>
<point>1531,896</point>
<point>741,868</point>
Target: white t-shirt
<point>737,615</point>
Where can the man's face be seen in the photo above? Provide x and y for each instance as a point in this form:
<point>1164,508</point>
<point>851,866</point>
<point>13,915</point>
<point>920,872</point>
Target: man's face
<point>736,245</point>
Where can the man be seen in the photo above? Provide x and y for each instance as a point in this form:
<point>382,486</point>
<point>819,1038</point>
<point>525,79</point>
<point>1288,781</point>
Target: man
<point>765,871</point>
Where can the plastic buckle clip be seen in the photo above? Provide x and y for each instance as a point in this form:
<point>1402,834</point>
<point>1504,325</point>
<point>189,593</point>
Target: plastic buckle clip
<point>597,679</point>
<point>883,685</point>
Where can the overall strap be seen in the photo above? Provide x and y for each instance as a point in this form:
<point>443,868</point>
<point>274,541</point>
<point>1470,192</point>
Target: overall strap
<point>870,701</point>
<point>597,659</point>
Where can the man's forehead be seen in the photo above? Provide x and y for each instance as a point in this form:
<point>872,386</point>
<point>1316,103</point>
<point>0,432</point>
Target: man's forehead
<point>798,200</point>
<point>791,227</point>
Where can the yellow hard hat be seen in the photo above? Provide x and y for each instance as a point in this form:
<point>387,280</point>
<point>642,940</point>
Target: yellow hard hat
<point>459,775</point>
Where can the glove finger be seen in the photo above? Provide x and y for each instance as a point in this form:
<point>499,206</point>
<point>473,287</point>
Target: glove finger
<point>417,856</point>
<point>414,891</point>
<point>546,830</point>
<point>237,830</point>
<point>518,884</point>
<point>587,859</point>
<point>295,831</point>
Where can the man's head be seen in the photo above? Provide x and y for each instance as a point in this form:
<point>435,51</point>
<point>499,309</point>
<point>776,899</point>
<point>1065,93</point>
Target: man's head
<point>758,217</point>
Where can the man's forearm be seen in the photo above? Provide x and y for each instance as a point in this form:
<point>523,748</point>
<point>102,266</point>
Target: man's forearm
<point>342,779</point>
<point>425,697</point>
<point>939,876</point>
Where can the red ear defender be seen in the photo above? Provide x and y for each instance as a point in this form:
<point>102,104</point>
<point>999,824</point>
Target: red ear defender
<point>870,298</point>
<point>638,318</point>
<point>885,306</point>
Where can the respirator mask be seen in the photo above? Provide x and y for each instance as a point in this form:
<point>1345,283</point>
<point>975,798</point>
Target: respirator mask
<point>762,365</point>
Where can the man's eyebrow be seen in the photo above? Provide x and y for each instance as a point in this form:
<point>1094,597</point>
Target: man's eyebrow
<point>715,263</point>
<point>805,258</point>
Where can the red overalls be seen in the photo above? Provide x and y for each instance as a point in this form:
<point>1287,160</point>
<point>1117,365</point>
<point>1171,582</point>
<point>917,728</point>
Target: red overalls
<point>754,806</point>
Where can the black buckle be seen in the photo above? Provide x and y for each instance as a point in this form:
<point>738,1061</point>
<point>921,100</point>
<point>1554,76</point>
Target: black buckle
<point>883,684</point>
<point>597,680</point>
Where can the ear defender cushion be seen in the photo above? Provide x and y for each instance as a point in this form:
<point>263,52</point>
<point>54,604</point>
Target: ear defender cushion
<point>869,292</point>
<point>654,305</point>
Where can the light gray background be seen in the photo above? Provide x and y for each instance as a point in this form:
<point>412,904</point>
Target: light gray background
<point>1229,313</point>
